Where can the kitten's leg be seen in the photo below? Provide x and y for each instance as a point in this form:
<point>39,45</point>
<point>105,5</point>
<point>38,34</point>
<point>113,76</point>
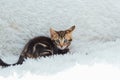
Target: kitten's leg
<point>46,53</point>
<point>63,51</point>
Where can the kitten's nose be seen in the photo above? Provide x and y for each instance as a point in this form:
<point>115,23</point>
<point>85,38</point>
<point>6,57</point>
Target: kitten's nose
<point>61,46</point>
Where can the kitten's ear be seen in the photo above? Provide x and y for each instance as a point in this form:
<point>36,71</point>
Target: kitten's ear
<point>52,32</point>
<point>71,29</point>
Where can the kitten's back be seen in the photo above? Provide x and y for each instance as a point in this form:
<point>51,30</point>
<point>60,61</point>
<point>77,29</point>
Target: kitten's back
<point>38,46</point>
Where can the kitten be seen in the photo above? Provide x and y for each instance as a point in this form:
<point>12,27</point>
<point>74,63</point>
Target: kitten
<point>45,46</point>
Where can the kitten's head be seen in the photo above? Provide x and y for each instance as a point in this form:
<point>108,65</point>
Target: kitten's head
<point>62,39</point>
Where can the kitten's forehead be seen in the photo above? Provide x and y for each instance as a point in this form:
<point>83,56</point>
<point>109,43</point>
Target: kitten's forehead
<point>61,34</point>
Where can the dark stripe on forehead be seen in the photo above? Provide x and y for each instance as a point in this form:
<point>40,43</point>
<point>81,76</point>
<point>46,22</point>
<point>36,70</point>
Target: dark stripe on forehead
<point>61,34</point>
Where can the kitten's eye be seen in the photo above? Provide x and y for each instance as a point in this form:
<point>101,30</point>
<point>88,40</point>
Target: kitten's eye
<point>57,41</point>
<point>65,41</point>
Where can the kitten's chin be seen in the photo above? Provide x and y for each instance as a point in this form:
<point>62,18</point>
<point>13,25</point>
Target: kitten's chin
<point>62,48</point>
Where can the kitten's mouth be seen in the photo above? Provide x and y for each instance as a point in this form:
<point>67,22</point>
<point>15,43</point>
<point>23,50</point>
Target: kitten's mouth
<point>62,48</point>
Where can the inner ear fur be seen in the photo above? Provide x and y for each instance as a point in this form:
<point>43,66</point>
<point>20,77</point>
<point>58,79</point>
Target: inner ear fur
<point>71,29</point>
<point>53,32</point>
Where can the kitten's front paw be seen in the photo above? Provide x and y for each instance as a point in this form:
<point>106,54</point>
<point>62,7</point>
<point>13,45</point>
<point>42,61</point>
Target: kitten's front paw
<point>64,51</point>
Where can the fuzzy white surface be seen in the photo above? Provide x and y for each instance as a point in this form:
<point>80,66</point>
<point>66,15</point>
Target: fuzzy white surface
<point>96,40</point>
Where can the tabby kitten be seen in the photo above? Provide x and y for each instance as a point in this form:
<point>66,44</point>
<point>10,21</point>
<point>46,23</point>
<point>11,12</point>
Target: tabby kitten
<point>45,46</point>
